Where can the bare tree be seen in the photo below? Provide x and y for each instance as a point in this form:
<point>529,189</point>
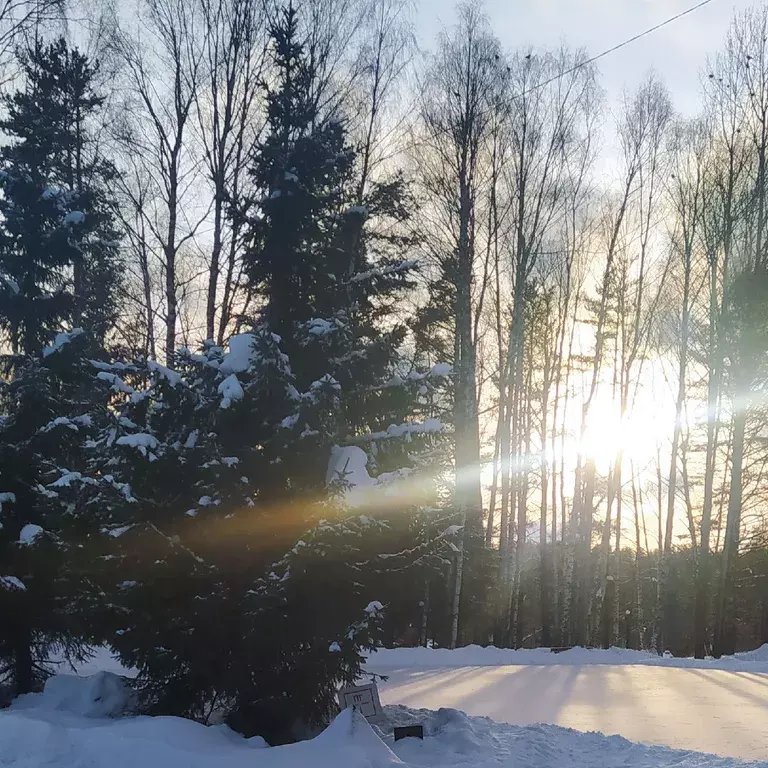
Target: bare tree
<point>386,50</point>
<point>548,96</point>
<point>722,202</point>
<point>459,91</point>
<point>234,45</point>
<point>163,61</point>
<point>689,145</point>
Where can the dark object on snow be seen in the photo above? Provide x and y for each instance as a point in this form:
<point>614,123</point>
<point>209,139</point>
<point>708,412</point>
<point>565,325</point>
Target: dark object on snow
<point>406,731</point>
<point>560,649</point>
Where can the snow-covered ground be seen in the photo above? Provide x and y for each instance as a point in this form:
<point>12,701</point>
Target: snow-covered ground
<point>712,706</point>
<point>718,707</point>
<point>45,732</point>
<point>477,656</point>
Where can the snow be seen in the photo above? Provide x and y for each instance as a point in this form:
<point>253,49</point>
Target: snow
<point>479,656</point>
<point>141,441</point>
<point>59,421</point>
<point>230,389</point>
<point>116,533</point>
<point>12,583</point>
<point>6,497</point>
<point>403,266</point>
<point>172,377</point>
<point>319,326</point>
<point>74,217</point>
<point>407,430</point>
<point>62,339</point>
<point>238,359</point>
<point>705,705</point>
<point>61,728</point>
<point>373,608</point>
<point>29,534</point>
<point>65,481</point>
<point>326,381</point>
<point>350,464</point>
<point>10,284</point>
<point>452,738</point>
<point>115,382</point>
<point>101,695</point>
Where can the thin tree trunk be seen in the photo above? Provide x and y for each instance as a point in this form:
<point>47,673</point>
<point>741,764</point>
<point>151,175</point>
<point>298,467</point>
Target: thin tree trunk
<point>22,662</point>
<point>725,625</point>
<point>456,601</point>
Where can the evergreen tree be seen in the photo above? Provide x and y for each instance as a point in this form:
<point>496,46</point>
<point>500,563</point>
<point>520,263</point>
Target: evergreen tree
<point>58,267</point>
<point>59,262</point>
<point>257,495</point>
<point>54,409</point>
<point>330,269</point>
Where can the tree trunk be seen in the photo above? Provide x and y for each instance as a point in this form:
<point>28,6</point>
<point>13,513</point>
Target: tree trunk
<point>725,622</point>
<point>214,266</point>
<point>703,572</point>
<point>456,601</point>
<point>424,612</point>
<point>23,673</point>
<point>544,559</point>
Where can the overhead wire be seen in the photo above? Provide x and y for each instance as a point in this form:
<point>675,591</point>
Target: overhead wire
<point>615,48</point>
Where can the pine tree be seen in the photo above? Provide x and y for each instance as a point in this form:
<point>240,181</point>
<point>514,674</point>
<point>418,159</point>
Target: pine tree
<point>330,272</point>
<point>59,262</point>
<point>53,409</point>
<point>247,516</point>
<point>58,267</point>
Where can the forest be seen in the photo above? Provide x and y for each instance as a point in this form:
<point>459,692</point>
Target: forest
<point>315,340</point>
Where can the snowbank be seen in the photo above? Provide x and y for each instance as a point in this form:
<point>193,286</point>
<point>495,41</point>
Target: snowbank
<point>35,737</point>
<point>453,738</point>
<point>478,656</point>
<point>104,694</point>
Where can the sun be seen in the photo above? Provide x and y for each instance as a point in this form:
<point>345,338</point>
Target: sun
<point>639,435</point>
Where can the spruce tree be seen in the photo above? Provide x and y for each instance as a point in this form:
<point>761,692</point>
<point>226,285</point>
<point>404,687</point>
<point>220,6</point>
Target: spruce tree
<point>255,493</point>
<point>330,269</point>
<point>58,275</point>
<point>59,260</point>
<point>53,410</point>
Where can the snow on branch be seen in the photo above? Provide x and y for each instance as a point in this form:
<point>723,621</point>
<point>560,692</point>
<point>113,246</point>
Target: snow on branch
<point>439,371</point>
<point>62,339</point>
<point>405,430</point>
<point>12,583</point>
<point>230,390</point>
<point>141,441</point>
<point>115,382</point>
<point>172,377</point>
<point>404,266</point>
<point>29,534</point>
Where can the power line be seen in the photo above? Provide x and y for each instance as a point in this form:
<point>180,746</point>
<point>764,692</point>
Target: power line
<point>616,47</point>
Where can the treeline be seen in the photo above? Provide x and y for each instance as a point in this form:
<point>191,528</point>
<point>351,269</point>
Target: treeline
<point>311,343</point>
<point>594,310</point>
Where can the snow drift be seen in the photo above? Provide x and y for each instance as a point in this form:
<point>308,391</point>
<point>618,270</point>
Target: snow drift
<point>65,727</point>
<point>479,656</point>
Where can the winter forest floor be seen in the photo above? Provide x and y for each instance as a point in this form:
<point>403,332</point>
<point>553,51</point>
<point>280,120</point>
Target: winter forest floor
<point>721,707</point>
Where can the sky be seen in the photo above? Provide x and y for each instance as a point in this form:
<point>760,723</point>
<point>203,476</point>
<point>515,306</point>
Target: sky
<point>676,52</point>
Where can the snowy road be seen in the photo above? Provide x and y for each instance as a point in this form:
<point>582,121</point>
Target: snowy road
<point>721,712</point>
